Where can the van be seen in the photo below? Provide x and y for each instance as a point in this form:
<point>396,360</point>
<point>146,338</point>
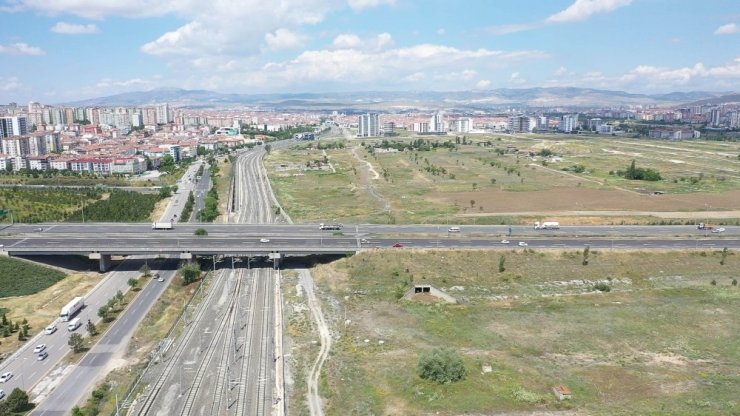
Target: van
<point>454,230</point>
<point>73,324</point>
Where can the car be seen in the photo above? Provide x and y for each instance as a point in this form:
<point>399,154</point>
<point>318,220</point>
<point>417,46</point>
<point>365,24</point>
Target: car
<point>1,246</point>
<point>523,244</point>
<point>2,394</point>
<point>6,376</point>
<point>264,240</point>
<point>156,275</point>
<point>39,348</point>
<point>50,329</point>
<point>42,356</point>
<point>397,245</point>
<point>160,279</point>
<point>504,241</point>
<point>453,230</point>
<point>364,241</point>
<point>718,230</point>
<point>39,229</point>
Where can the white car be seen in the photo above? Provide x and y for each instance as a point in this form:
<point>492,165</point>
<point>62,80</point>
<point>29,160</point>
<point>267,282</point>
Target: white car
<point>42,356</point>
<point>523,244</point>
<point>2,394</point>
<point>504,241</point>
<point>50,329</point>
<point>364,241</point>
<point>39,348</point>
<point>718,230</point>
<point>6,376</point>
<point>160,279</point>
<point>264,240</point>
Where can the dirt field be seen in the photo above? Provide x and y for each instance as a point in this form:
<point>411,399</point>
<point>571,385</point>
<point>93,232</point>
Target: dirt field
<point>661,342</point>
<point>491,177</point>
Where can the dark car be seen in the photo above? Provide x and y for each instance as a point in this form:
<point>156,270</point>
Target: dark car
<point>397,245</point>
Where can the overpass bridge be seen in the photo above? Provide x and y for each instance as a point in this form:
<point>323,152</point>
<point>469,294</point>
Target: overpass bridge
<point>101,241</point>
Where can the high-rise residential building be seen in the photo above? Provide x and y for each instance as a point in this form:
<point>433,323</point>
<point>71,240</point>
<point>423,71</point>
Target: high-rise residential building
<point>594,123</point>
<point>714,117</point>
<point>568,123</point>
<point>58,116</point>
<point>16,146</point>
<point>734,119</point>
<point>462,125</point>
<point>543,123</point>
<point>369,125</point>
<point>137,120</point>
<point>69,115</point>
<point>519,124</point>
<point>13,126</point>
<point>163,114</point>
<point>422,127</point>
<point>437,123</point>
<point>389,128</point>
<point>149,114</point>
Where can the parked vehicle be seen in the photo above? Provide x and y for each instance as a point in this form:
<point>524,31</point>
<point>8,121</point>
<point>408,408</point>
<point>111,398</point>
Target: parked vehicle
<point>70,309</point>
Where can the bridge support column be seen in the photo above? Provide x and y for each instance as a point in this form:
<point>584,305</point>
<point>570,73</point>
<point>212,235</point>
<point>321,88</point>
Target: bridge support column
<point>103,259</point>
<point>275,257</point>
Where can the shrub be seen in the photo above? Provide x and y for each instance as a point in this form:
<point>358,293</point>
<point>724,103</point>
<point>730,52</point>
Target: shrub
<point>443,365</point>
<point>201,231</point>
<point>602,287</point>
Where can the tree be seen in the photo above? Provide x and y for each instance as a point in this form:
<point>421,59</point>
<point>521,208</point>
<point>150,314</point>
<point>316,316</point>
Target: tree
<point>103,312</point>
<point>190,273</point>
<point>133,282</point>
<point>20,336</point>
<point>17,401</point>
<point>268,148</point>
<point>725,251</point>
<point>145,270</point>
<point>91,328</point>
<point>501,264</point>
<point>586,251</point>
<point>75,342</point>
<point>201,231</point>
<point>443,365</point>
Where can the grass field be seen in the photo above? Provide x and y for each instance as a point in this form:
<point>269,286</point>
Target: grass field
<point>20,278</point>
<point>492,178</point>
<point>42,308</point>
<point>663,341</point>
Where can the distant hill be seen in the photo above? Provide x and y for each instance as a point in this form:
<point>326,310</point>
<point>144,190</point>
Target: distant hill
<point>724,99</point>
<point>399,100</point>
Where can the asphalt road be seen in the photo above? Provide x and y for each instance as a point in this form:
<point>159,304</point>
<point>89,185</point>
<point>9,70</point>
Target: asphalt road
<point>92,368</point>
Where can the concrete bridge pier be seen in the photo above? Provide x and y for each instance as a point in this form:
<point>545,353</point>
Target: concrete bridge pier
<point>275,257</point>
<point>104,260</point>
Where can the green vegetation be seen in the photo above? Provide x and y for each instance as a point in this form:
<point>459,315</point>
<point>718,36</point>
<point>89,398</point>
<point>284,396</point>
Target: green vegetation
<point>536,325</point>
<point>46,204</point>
<point>120,206</point>
<point>639,174</point>
<point>76,343</point>
<point>443,365</point>
<point>96,401</point>
<point>187,210</point>
<point>20,278</point>
<point>281,134</point>
<point>15,403</point>
<point>190,273</point>
<point>57,178</point>
<point>201,231</point>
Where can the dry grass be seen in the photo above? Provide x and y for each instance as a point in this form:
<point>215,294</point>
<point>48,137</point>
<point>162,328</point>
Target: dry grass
<point>537,324</point>
<point>42,308</point>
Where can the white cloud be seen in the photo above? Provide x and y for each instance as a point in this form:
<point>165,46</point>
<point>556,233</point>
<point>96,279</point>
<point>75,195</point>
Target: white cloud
<point>21,49</point>
<point>416,76</point>
<point>583,9</point>
<point>74,29</point>
<point>516,79</point>
<point>441,31</point>
<point>366,4</point>
<point>483,84</point>
<point>578,11</point>
<point>352,41</point>
<point>284,39</point>
<point>728,29</point>
<point>10,84</point>
<point>561,71</point>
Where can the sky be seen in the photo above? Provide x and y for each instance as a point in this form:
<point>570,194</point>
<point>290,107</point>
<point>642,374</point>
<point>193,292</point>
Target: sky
<point>65,50</point>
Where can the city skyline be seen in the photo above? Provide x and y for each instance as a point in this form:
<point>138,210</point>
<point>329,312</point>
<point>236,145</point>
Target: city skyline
<point>65,50</point>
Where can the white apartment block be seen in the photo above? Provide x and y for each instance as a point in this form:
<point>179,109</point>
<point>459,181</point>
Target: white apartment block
<point>369,125</point>
<point>13,126</point>
<point>568,123</point>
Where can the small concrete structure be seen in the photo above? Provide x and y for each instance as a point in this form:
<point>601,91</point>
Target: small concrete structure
<point>562,392</point>
<point>428,289</point>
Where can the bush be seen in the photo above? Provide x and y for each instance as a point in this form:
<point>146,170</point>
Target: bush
<point>602,287</point>
<point>443,365</point>
<point>201,231</point>
<point>190,273</point>
<point>17,401</point>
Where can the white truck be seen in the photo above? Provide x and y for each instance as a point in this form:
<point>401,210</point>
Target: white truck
<point>162,226</point>
<point>71,308</point>
<point>547,225</point>
<point>323,226</point>
<point>73,324</point>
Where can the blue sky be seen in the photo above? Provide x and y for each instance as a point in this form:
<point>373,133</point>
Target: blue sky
<point>62,50</point>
